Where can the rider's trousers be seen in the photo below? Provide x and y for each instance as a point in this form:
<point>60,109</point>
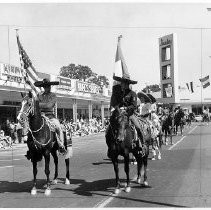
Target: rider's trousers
<point>135,121</point>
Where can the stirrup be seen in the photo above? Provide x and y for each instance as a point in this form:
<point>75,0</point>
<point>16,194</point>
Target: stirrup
<point>62,151</point>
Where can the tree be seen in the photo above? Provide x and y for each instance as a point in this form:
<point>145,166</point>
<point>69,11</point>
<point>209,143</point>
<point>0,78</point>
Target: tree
<point>100,80</point>
<point>83,73</point>
<point>153,88</point>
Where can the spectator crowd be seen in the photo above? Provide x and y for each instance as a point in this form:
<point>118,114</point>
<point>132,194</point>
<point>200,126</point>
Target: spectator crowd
<point>13,133</point>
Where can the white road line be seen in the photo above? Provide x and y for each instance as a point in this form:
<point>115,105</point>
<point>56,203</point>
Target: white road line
<point>106,201</point>
<point>170,148</point>
<point>111,196</point>
<point>6,167</point>
<point>192,129</point>
<point>5,155</point>
<point>11,160</point>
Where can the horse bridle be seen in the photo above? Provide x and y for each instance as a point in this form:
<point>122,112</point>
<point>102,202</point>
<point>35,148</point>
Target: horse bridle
<point>26,113</point>
<point>31,109</point>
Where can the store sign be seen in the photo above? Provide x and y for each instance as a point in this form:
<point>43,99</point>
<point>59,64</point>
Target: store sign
<point>64,84</point>
<point>165,42</point>
<point>88,87</point>
<point>11,73</point>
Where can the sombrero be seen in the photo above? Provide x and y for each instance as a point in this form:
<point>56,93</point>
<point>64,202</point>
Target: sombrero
<point>45,82</point>
<point>125,79</point>
<point>151,97</point>
<point>144,97</point>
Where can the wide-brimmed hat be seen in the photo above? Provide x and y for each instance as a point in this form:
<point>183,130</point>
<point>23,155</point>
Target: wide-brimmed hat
<point>151,97</point>
<point>45,83</point>
<point>125,78</point>
<point>144,97</point>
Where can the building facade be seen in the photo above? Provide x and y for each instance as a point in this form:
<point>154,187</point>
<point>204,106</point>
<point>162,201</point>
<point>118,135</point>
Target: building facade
<point>171,94</point>
<point>76,99</point>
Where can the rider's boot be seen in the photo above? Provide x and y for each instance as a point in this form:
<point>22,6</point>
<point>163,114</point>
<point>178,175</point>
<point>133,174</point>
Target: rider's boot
<point>62,150</point>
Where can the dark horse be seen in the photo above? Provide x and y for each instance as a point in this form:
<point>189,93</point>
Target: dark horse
<point>179,121</point>
<point>119,138</point>
<point>167,123</point>
<point>41,140</point>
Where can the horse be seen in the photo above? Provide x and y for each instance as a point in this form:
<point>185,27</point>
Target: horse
<point>41,140</point>
<point>179,121</point>
<point>120,137</point>
<point>167,124</point>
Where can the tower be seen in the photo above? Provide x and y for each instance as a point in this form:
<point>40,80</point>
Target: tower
<point>168,68</point>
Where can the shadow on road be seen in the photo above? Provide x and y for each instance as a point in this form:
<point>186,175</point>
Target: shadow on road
<point>17,187</point>
<point>87,188</point>
<point>108,161</point>
<point>158,204</point>
<point>107,185</point>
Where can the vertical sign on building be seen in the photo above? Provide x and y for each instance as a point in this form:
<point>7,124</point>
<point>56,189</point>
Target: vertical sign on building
<point>168,68</point>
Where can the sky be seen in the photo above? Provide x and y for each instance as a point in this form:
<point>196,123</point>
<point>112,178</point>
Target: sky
<point>57,34</point>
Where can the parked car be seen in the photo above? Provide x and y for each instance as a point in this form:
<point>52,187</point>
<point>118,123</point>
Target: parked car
<point>198,118</point>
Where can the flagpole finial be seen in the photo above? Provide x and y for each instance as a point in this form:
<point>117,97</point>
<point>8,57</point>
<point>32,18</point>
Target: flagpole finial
<point>119,38</point>
<point>16,31</point>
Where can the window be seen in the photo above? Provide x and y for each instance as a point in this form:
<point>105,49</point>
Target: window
<point>166,53</point>
<point>167,90</point>
<point>166,72</point>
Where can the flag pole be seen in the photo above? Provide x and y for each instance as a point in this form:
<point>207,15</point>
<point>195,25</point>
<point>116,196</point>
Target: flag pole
<point>201,73</point>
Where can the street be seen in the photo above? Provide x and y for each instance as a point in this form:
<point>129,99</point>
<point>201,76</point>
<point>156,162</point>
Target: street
<point>180,179</point>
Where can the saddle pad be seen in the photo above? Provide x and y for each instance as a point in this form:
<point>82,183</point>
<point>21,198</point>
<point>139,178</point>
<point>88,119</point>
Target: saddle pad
<point>148,129</point>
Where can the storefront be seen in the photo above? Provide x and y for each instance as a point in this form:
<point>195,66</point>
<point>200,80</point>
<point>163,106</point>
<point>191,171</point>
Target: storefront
<point>75,99</point>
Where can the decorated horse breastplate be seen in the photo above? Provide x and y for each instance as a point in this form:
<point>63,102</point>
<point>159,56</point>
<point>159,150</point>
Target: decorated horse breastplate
<point>50,124</point>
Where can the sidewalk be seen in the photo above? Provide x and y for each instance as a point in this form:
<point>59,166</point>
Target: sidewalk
<point>22,145</point>
<point>14,146</point>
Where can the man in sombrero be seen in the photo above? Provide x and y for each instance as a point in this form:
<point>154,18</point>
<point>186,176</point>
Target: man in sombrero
<point>122,94</point>
<point>47,103</point>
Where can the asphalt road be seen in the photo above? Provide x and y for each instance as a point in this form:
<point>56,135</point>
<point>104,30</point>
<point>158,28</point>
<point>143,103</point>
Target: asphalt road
<point>180,179</point>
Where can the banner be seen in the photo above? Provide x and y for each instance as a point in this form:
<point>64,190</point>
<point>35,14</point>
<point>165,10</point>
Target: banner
<point>64,84</point>
<point>88,87</point>
<point>11,73</point>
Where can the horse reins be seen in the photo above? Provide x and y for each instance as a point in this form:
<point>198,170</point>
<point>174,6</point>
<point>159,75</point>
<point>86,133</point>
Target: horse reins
<point>39,130</point>
<point>31,131</point>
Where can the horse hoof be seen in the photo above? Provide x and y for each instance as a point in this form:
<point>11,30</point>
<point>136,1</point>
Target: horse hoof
<point>139,181</point>
<point>47,192</point>
<point>153,158</point>
<point>146,183</point>
<point>34,191</point>
<point>117,191</point>
<point>127,189</point>
<point>67,181</point>
<point>55,181</point>
<point>159,157</point>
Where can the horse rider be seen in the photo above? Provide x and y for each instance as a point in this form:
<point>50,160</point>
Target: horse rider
<point>47,103</point>
<point>126,99</point>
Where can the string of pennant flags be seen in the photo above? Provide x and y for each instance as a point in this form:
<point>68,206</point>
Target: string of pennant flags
<point>205,82</point>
